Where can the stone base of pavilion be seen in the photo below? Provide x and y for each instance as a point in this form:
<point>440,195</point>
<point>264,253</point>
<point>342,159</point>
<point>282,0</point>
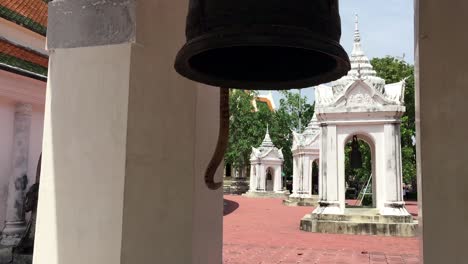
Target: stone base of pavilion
<point>266,194</point>
<point>301,201</point>
<point>360,221</point>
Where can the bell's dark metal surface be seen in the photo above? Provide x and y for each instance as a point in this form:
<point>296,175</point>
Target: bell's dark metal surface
<point>356,156</point>
<point>263,44</point>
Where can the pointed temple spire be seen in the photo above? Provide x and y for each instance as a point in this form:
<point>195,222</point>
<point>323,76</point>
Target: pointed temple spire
<point>357,34</point>
<point>357,48</point>
<point>313,126</point>
<point>267,140</point>
<point>360,64</point>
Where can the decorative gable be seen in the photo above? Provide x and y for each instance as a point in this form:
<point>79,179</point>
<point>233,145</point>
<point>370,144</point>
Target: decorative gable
<point>360,96</point>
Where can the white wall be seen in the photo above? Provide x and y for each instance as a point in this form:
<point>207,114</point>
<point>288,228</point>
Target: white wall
<point>442,140</point>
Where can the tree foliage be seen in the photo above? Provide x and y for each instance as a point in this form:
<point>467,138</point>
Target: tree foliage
<point>357,178</point>
<point>247,126</point>
<point>293,111</point>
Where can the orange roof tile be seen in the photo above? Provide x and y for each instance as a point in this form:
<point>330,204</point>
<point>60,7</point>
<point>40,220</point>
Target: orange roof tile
<point>33,9</point>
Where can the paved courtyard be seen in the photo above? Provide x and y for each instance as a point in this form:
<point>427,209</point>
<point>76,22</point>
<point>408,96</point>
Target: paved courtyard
<point>264,231</point>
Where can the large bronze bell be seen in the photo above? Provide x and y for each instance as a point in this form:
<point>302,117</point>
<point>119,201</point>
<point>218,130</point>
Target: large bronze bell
<point>356,156</point>
<point>263,44</point>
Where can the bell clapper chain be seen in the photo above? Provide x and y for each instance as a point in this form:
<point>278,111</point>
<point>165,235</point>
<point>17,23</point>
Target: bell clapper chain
<point>223,140</point>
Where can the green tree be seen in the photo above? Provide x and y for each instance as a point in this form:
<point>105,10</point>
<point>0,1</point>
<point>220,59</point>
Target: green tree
<point>293,107</point>
<point>357,178</point>
<point>246,127</point>
<point>394,70</point>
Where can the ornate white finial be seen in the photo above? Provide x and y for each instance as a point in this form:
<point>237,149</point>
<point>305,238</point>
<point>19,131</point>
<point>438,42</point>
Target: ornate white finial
<point>357,35</point>
<point>267,140</point>
<point>359,71</point>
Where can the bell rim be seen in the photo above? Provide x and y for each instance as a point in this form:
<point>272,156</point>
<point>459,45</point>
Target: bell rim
<point>281,36</point>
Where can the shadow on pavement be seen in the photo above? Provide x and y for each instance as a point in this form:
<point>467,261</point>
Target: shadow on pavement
<point>230,206</point>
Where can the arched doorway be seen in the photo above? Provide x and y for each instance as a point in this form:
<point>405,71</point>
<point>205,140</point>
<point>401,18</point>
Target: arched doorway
<point>269,184</point>
<point>360,180</point>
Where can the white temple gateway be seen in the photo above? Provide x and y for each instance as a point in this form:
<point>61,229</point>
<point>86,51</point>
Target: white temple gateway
<point>306,151</point>
<point>266,164</point>
<point>360,104</point>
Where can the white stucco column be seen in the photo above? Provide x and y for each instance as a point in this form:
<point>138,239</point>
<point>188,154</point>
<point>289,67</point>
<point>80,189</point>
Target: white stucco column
<point>301,177</point>
<point>278,183</point>
<point>15,215</point>
<point>306,177</point>
<point>331,202</point>
<point>258,178</point>
<point>253,177</point>
<point>441,111</point>
<point>262,178</point>
<point>126,141</point>
<point>392,196</point>
<point>295,177</point>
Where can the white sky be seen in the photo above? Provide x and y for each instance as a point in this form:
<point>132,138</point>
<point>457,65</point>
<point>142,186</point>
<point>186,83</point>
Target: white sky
<point>387,28</point>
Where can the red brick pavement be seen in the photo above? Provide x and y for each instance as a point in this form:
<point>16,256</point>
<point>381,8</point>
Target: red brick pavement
<point>264,231</point>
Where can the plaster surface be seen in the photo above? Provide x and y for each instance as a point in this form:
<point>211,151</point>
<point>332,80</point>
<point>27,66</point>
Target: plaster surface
<point>441,92</point>
<point>139,167</point>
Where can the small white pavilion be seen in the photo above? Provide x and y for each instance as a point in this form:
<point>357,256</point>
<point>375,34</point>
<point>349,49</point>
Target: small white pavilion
<point>306,151</point>
<point>361,104</point>
<point>266,164</point>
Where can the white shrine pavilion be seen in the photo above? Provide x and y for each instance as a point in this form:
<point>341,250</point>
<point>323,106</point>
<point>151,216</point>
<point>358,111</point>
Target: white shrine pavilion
<point>266,164</point>
<point>305,150</point>
<point>360,104</point>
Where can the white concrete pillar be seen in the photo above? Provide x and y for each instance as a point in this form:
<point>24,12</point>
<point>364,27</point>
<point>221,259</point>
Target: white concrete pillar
<point>295,176</point>
<point>323,165</point>
<point>278,183</point>
<point>301,175</point>
<point>116,187</point>
<point>262,178</point>
<point>306,177</point>
<point>253,177</point>
<point>15,216</point>
<point>331,186</point>
<point>392,181</point>
<point>258,178</point>
<point>441,109</point>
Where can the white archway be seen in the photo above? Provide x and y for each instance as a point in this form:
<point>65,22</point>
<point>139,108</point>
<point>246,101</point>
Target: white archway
<point>366,139</point>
